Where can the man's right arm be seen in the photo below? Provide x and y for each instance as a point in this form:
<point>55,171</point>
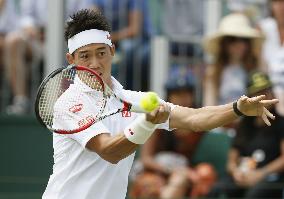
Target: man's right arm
<point>115,148</point>
<point>111,148</point>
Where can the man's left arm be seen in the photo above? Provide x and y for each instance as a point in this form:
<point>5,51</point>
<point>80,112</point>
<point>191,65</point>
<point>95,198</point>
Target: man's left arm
<point>210,117</point>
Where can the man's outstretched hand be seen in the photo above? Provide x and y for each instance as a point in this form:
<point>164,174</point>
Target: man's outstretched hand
<point>256,106</point>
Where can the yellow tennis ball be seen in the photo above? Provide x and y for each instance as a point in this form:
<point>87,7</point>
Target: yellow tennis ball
<point>149,101</point>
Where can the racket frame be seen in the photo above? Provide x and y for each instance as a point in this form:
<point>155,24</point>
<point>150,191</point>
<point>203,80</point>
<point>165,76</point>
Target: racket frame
<point>126,105</point>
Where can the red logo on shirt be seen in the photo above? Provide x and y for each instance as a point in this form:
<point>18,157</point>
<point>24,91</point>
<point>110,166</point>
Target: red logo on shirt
<point>76,108</point>
<point>126,114</point>
<point>86,121</point>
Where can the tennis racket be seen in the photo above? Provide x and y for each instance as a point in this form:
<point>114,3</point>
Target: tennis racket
<point>73,98</point>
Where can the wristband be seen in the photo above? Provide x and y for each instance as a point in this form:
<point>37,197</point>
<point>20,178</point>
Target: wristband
<point>139,130</point>
<point>236,110</point>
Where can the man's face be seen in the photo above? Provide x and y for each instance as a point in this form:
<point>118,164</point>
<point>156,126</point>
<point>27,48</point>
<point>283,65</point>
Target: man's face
<point>97,57</point>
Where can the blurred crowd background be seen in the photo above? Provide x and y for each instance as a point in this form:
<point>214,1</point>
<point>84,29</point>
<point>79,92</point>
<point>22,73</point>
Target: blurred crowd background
<point>151,38</point>
<point>193,53</point>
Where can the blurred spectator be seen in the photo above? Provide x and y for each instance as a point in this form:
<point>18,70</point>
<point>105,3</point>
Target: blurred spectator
<point>188,21</point>
<point>8,22</point>
<point>256,158</point>
<point>254,9</point>
<point>273,49</point>
<point>183,24</point>
<point>72,6</point>
<point>166,156</point>
<point>131,33</point>
<point>24,49</point>
<point>234,48</point>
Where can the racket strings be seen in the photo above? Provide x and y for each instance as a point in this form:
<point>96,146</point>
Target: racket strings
<point>90,80</point>
<point>57,86</point>
<point>73,99</point>
<point>96,84</point>
<point>53,89</point>
<point>102,96</point>
<point>48,98</point>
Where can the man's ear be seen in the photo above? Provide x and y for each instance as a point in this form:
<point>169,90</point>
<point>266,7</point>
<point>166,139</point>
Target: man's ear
<point>70,58</point>
<point>112,49</point>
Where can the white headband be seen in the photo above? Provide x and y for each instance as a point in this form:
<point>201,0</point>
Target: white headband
<point>86,37</point>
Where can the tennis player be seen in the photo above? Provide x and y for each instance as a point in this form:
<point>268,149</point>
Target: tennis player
<point>95,163</point>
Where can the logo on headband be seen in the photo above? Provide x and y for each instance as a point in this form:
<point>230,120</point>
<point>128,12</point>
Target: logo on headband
<point>109,37</point>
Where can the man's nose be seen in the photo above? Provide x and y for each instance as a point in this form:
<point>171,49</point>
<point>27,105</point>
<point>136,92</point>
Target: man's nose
<point>93,67</point>
<point>94,64</point>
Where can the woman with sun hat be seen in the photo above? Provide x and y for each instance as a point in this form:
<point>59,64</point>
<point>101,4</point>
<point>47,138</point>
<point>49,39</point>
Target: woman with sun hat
<point>234,48</point>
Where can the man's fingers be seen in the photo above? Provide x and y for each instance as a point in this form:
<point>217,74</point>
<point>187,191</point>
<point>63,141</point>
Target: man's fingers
<point>163,113</point>
<point>265,119</point>
<point>159,115</point>
<point>267,113</point>
<point>154,112</point>
<point>257,98</point>
<point>167,108</point>
<point>161,108</point>
<point>269,102</point>
<point>243,98</point>
<point>256,106</point>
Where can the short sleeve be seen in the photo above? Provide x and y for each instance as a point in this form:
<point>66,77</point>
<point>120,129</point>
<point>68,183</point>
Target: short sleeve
<point>66,119</point>
<point>84,136</point>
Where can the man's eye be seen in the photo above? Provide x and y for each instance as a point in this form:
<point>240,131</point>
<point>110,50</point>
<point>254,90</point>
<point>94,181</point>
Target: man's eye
<point>85,56</point>
<point>102,53</point>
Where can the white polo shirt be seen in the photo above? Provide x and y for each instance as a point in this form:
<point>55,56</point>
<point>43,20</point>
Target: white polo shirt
<point>79,173</point>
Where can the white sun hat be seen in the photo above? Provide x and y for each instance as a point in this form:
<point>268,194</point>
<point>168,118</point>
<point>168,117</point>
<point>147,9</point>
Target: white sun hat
<point>236,25</point>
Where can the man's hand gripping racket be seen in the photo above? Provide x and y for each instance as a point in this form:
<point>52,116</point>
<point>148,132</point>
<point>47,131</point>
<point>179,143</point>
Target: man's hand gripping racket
<point>73,98</point>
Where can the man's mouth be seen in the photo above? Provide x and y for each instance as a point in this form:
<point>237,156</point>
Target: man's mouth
<point>98,73</point>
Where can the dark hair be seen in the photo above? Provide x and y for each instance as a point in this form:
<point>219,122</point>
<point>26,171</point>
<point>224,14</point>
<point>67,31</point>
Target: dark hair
<point>85,19</point>
<point>250,59</point>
